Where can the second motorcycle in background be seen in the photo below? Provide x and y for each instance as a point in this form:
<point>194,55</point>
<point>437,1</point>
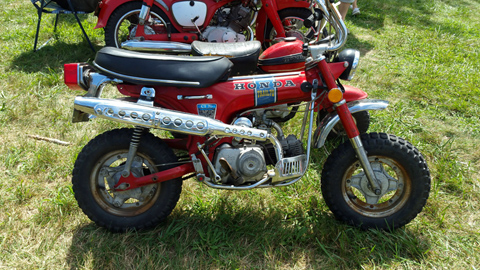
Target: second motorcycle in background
<point>169,26</point>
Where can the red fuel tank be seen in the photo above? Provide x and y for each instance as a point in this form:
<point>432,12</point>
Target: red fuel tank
<point>284,56</point>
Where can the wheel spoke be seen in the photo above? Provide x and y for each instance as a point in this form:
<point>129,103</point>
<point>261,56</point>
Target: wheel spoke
<point>293,24</point>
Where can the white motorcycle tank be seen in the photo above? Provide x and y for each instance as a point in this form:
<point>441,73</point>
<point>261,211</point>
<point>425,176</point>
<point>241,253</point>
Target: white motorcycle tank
<point>185,11</point>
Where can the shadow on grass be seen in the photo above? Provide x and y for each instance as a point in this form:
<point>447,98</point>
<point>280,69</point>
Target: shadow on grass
<point>245,238</point>
<point>375,12</point>
<point>416,13</point>
<point>53,56</point>
<point>358,44</point>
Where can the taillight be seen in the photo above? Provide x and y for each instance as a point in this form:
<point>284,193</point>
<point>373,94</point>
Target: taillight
<point>72,74</point>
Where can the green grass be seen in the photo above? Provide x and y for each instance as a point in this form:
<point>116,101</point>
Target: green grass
<point>422,56</point>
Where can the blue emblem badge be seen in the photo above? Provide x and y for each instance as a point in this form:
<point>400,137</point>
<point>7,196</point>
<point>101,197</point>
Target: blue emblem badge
<point>208,110</point>
<point>265,92</point>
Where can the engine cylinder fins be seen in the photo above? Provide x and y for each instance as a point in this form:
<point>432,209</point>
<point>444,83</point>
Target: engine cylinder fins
<point>291,146</point>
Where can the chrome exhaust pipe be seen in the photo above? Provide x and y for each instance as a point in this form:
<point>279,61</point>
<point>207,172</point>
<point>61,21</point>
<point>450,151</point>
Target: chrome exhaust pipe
<point>160,118</point>
<point>157,46</point>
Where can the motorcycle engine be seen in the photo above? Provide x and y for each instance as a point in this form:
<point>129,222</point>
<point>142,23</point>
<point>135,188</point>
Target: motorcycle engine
<point>228,24</point>
<point>247,162</point>
<point>238,165</point>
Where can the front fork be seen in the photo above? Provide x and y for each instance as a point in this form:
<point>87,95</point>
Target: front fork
<point>352,132</point>
<point>348,124</point>
<point>270,7</point>
<point>145,11</point>
<point>143,16</point>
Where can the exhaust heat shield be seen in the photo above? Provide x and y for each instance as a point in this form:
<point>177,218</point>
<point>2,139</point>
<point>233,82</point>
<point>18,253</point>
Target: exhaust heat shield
<point>155,117</point>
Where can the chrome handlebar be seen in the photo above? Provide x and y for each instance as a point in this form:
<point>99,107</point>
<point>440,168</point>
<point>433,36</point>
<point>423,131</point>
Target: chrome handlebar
<point>331,15</point>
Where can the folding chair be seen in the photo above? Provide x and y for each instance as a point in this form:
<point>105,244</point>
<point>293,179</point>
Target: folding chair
<point>49,6</point>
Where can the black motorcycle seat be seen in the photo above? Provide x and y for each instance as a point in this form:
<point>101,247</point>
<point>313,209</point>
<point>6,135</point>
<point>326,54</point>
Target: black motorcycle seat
<point>243,55</point>
<point>166,70</point>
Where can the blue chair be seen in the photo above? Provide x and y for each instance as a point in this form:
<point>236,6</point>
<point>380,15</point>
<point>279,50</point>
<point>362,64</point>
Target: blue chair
<point>49,6</point>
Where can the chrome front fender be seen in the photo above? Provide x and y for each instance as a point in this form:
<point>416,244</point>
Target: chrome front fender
<point>329,121</point>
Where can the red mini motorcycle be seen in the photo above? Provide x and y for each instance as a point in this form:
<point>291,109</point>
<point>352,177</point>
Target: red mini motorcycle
<point>131,179</point>
<point>169,26</point>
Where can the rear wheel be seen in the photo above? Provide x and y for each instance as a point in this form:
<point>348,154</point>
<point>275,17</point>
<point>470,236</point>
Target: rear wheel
<point>98,168</point>
<point>123,22</point>
<point>401,171</point>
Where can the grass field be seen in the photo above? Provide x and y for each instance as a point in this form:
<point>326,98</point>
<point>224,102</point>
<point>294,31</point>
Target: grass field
<point>423,56</point>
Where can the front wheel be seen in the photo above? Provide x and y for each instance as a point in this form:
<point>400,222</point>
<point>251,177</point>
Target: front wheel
<point>98,169</point>
<point>401,171</point>
<point>292,21</point>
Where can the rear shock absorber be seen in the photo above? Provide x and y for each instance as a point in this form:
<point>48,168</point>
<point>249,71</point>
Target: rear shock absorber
<point>147,96</point>
<point>132,151</point>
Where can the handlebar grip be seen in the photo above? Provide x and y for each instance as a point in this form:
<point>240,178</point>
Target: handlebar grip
<point>315,16</point>
<point>309,21</point>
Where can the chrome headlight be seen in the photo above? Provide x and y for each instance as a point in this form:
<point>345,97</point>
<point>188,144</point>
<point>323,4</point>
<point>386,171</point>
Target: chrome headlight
<point>352,57</point>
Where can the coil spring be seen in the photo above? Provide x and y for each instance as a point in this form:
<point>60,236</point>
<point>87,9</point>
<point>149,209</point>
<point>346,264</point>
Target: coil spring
<point>137,135</point>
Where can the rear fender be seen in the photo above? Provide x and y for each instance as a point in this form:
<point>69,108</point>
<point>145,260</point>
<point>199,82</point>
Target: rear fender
<point>109,6</point>
<point>106,9</point>
<point>283,4</point>
<point>329,121</point>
